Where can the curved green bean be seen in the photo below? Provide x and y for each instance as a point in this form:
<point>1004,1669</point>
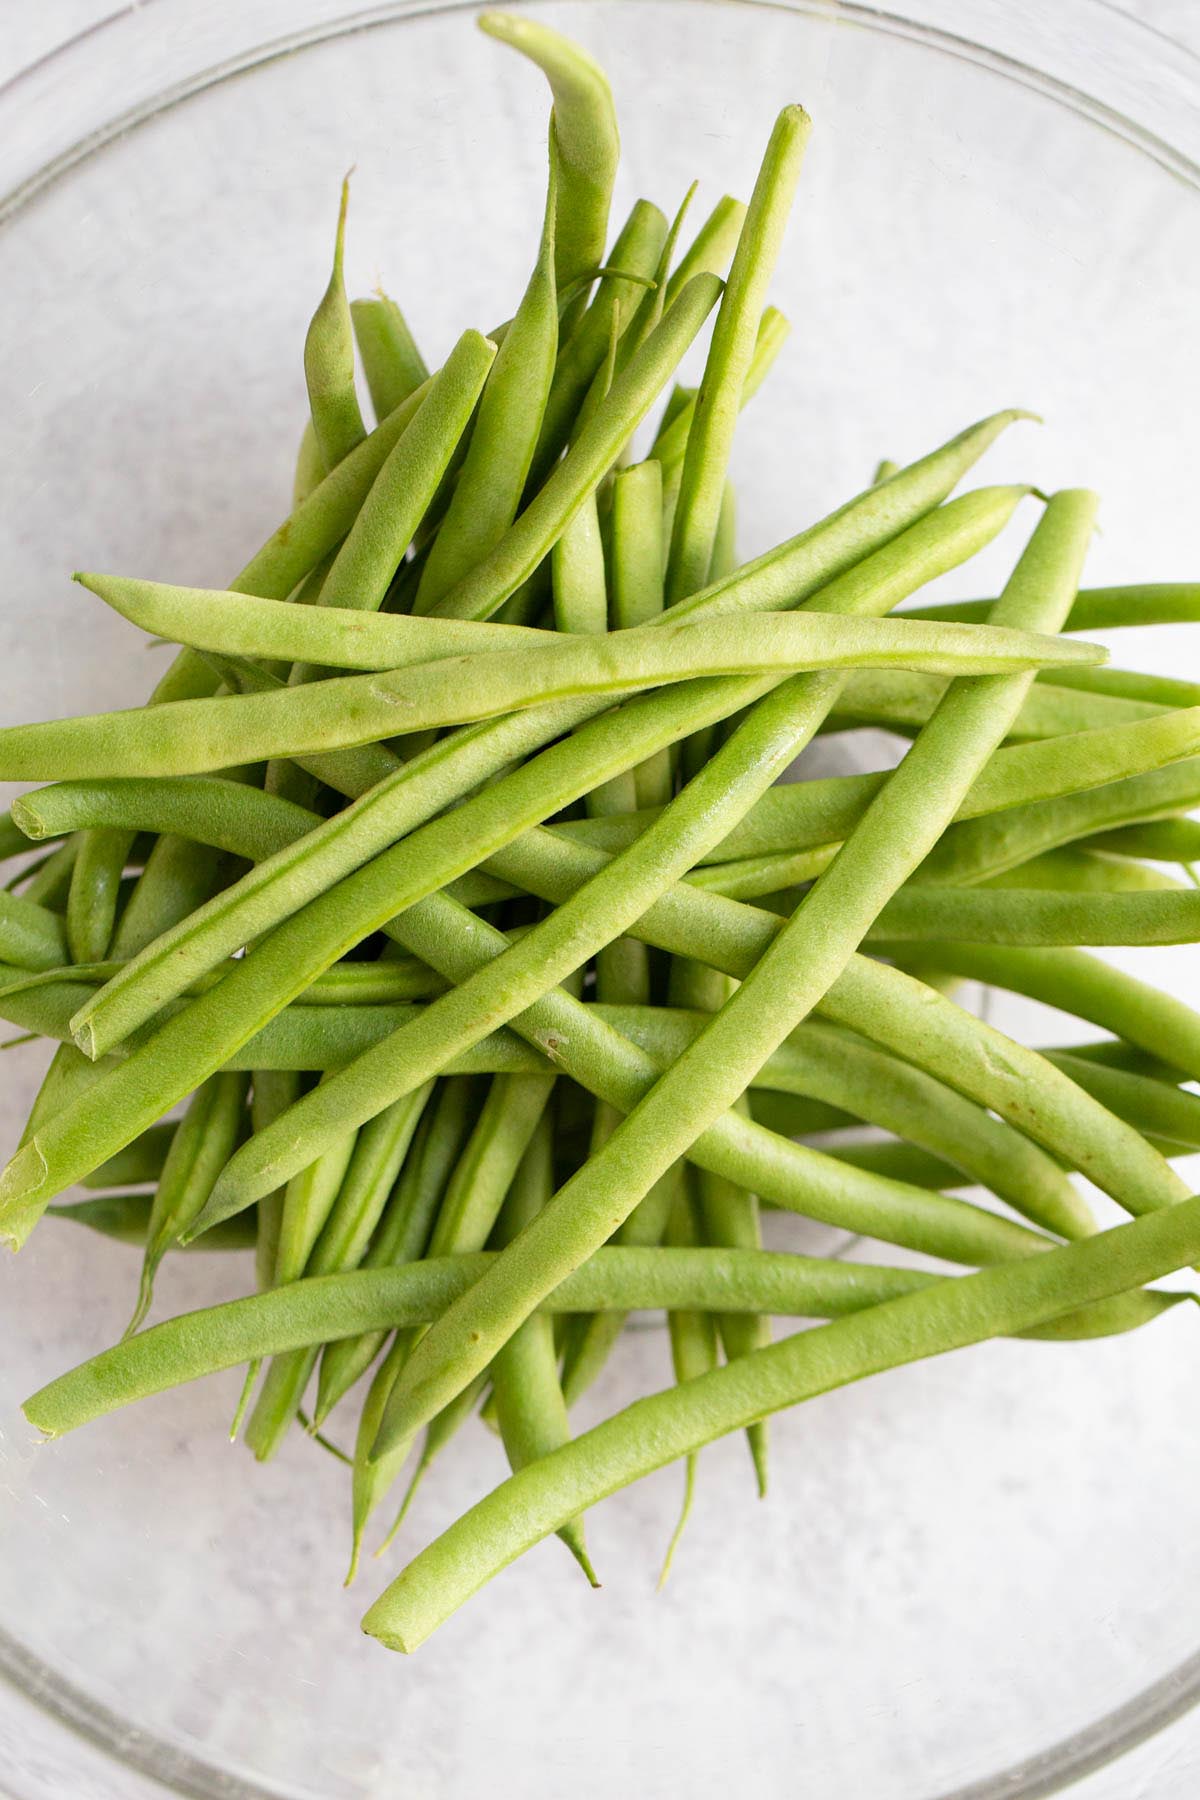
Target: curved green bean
<point>329,360</point>
<point>710,437</point>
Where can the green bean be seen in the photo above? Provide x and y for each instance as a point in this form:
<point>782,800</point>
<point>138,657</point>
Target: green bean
<point>140,1161</point>
<point>126,1218</point>
<point>1013,916</point>
<point>1164,840</point>
<point>971,851</point>
<point>31,936</point>
<point>488,492</point>
<point>392,363</point>
<point>785,821</point>
<point>848,1072</point>
<point>403,1232</point>
<point>898,1161</point>
<point>712,247</point>
<point>784,1284</point>
<point>531,1412</point>
<point>310,465</point>
<point>318,525</point>
<point>243,625</point>
<point>671,443</point>
<point>693,1338</point>
<point>226,814</point>
<point>1083,872</point>
<point>402,491</point>
<point>584,130</point>
<point>472,1201</point>
<point>178,877</point>
<point>637,589</point>
<point>94,892</point>
<point>1074,982</point>
<point>196,736</point>
<point>764,744</point>
<point>439,1433</point>
<point>1102,608</point>
<point>802,815</point>
<point>748,877</point>
<point>710,437</point>
<point>12,838</point>
<point>200,1145</point>
<point>655,1431</point>
<point>578,1040</point>
<point>903,701</point>
<point>271,1091</point>
<point>796,1118</point>
<point>1157,1108</point>
<point>308,1201</point>
<point>1133,684</point>
<point>329,361</point>
<point>588,1348</point>
<point>370,1175</point>
<point>710,1210</point>
<point>634,259</point>
<point>51,883</point>
<point>485,588</point>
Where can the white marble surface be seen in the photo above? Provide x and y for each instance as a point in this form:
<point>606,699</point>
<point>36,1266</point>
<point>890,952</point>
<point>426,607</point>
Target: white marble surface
<point>1166,1769</point>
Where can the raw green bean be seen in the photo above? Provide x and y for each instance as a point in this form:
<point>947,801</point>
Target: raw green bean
<point>393,365</point>
<point>932,544</point>
<point>200,1145</point>
<point>51,884</point>
<point>195,737</point>
<point>902,702</point>
<point>1164,840</point>
<point>657,1430</point>
<point>379,1151</point>
<point>403,490</point>
<point>1074,982</point>
<point>1102,608</point>
<point>178,877</point>
<point>1155,1107</point>
<point>710,437</point>
<point>1016,916</point>
<point>329,361</point>
<point>31,936</point>
<point>531,1412</point>
<point>1083,872</point>
<point>712,247</point>
<point>126,1217</point>
<point>141,1161</point>
<point>971,851</point>
<point>710,1210</point>
<point>693,1338</point>
<point>1133,684</point>
<point>488,492</point>
<point>634,259</point>
<point>403,1233</point>
<point>310,465</point>
<point>671,443</point>
<point>783,1284</point>
<point>584,129</point>
<point>94,893</point>
<point>244,625</point>
<point>439,1433</point>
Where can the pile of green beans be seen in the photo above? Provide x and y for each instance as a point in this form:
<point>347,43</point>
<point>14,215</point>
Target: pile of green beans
<point>445,930</point>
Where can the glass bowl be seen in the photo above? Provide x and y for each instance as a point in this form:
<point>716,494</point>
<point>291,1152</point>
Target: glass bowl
<point>976,1577</point>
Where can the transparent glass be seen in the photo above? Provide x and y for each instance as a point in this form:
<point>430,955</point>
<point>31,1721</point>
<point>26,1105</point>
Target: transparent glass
<point>976,1577</point>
